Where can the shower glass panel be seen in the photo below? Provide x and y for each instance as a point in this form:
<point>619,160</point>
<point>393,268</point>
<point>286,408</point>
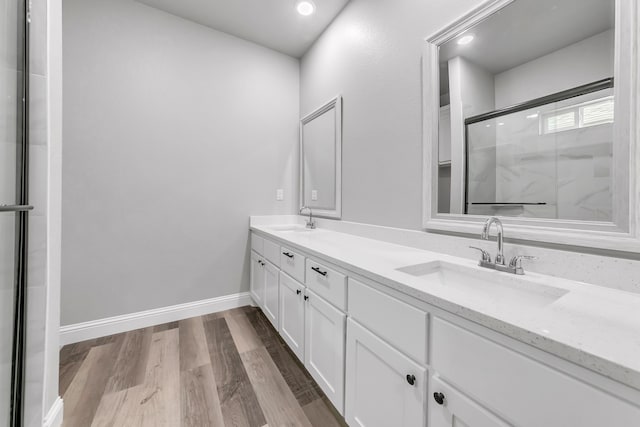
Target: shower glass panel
<point>13,212</point>
<point>550,161</point>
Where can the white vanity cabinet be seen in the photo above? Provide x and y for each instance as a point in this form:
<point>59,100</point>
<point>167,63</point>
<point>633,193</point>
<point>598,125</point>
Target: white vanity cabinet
<point>257,278</point>
<point>324,347</point>
<point>264,286</point>
<point>384,358</point>
<point>311,323</point>
<point>292,308</point>
<point>512,385</point>
<point>453,409</point>
<point>271,293</point>
<point>315,331</point>
<point>383,386</point>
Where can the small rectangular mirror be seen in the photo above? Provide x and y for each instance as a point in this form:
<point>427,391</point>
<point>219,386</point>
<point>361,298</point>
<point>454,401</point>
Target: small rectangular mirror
<point>321,160</point>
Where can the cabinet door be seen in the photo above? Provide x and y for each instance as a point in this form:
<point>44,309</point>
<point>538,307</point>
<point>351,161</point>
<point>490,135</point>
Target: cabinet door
<point>383,386</point>
<point>324,347</point>
<point>292,314</point>
<point>271,299</point>
<point>257,279</point>
<point>452,409</point>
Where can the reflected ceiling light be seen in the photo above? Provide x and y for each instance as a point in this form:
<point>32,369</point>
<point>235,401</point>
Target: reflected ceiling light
<point>305,7</point>
<point>500,124</point>
<point>466,39</point>
<point>532,116</point>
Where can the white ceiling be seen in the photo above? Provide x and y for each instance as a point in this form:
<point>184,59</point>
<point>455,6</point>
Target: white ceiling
<point>272,23</point>
<point>528,29</point>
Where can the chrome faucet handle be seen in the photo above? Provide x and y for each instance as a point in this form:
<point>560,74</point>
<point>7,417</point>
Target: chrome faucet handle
<point>310,224</point>
<point>516,262</point>
<point>486,256</point>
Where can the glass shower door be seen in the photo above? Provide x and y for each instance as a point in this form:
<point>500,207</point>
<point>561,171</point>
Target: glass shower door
<point>13,201</point>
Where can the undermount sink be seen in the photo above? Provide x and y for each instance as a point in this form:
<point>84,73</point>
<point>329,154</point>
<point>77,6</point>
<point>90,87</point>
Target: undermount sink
<point>500,288</point>
<point>291,228</point>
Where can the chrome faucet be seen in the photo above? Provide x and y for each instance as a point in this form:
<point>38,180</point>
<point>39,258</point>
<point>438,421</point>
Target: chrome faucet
<point>515,265</point>
<point>485,236</point>
<point>310,224</point>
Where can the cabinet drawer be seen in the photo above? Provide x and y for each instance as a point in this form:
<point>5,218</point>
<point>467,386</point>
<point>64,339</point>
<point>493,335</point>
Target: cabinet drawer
<point>292,263</point>
<point>327,283</point>
<point>272,252</point>
<point>521,390</point>
<point>398,323</point>
<point>257,243</point>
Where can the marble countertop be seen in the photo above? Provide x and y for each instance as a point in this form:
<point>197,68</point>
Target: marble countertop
<point>594,327</point>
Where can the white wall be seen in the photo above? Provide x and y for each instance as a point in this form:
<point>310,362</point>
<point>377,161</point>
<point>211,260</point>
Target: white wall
<point>371,54</point>
<point>173,135</point>
<point>54,202</point>
<point>471,93</point>
<point>584,62</point>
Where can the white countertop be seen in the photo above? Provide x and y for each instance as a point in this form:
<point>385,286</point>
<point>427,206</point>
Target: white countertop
<point>594,327</point>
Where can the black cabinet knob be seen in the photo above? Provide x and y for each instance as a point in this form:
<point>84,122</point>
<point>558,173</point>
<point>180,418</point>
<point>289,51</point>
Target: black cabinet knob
<point>411,379</point>
<point>306,297</point>
<point>298,292</point>
<point>439,397</point>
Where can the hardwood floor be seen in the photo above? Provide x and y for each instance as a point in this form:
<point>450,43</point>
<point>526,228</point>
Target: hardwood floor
<point>225,369</point>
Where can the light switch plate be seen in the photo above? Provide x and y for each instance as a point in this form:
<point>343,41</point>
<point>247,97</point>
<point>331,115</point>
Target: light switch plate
<point>314,194</point>
<point>279,194</point>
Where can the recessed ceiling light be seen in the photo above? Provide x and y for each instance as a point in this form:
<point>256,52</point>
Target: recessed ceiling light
<point>500,124</point>
<point>305,7</point>
<point>532,116</point>
<point>466,39</point>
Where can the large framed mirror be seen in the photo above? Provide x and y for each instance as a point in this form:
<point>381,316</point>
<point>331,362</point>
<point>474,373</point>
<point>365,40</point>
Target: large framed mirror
<point>531,111</point>
<point>321,160</point>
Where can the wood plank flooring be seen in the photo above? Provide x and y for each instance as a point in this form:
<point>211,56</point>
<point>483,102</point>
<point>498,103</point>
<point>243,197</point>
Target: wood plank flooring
<point>228,369</point>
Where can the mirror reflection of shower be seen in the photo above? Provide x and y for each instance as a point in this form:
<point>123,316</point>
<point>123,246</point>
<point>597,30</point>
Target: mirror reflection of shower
<point>549,161</point>
<point>527,117</point>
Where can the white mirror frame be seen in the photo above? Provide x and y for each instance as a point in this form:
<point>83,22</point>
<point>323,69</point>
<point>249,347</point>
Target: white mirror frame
<point>336,105</point>
<point>623,233</point>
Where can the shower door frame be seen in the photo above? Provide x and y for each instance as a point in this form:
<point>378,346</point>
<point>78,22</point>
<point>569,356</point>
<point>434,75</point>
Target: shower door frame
<point>21,209</point>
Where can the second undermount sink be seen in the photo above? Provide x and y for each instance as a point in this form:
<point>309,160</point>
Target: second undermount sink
<point>293,228</point>
<point>497,287</point>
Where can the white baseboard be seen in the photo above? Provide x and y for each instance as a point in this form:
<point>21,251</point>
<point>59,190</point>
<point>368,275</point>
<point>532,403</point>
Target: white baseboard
<point>114,325</point>
<point>54,416</point>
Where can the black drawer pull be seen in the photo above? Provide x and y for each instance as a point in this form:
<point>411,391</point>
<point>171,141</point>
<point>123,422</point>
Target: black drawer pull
<point>287,254</point>
<point>439,397</point>
<point>411,379</point>
<point>298,291</point>
<point>317,270</point>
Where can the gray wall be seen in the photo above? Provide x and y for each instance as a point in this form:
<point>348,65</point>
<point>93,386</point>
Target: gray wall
<point>580,63</point>
<point>173,135</point>
<point>371,54</point>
